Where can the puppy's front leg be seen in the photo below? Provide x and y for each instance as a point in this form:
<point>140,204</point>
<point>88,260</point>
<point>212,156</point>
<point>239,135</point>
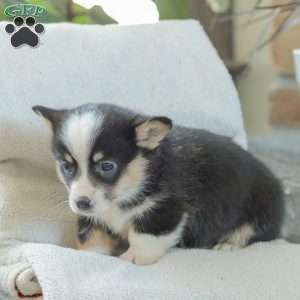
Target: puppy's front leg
<point>146,249</point>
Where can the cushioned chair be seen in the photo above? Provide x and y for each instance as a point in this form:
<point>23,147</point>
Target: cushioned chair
<point>168,69</point>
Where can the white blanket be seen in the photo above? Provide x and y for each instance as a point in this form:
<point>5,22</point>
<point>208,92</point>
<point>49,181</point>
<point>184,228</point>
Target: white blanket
<point>169,68</point>
<point>267,271</point>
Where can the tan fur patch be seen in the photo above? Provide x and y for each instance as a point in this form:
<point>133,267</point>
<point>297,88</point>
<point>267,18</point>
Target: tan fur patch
<point>241,235</point>
<point>68,158</point>
<point>99,241</point>
<point>239,238</point>
<point>97,156</point>
<point>131,180</point>
<point>151,133</point>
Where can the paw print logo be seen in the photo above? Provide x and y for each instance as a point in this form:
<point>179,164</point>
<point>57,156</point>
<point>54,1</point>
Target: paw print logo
<point>24,31</point>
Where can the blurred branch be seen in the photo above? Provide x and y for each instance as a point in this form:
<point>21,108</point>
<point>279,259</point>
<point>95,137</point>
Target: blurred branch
<point>292,8</point>
<point>266,14</point>
<point>278,30</point>
<point>288,6</point>
<point>255,20</point>
<point>257,8</point>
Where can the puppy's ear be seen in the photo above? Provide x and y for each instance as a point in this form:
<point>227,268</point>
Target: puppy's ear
<point>50,116</point>
<point>149,133</point>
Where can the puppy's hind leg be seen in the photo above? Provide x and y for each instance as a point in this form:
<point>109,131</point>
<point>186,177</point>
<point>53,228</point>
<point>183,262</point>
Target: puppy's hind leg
<point>238,238</point>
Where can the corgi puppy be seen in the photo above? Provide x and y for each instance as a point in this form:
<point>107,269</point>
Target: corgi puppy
<point>133,178</point>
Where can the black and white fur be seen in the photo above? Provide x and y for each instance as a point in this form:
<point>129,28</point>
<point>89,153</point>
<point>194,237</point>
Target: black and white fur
<point>133,178</point>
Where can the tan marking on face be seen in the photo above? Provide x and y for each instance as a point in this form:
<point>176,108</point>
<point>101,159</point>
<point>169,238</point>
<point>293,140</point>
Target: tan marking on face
<point>100,242</point>
<point>98,156</point>
<point>68,158</point>
<point>131,181</point>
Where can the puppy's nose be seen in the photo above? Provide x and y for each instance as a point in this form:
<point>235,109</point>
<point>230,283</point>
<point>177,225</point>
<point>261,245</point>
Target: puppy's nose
<point>84,203</point>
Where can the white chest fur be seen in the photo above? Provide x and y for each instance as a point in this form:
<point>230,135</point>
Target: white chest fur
<point>120,220</point>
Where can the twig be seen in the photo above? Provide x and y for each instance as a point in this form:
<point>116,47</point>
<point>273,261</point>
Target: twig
<point>276,32</point>
<point>271,7</point>
<point>253,11</point>
<point>257,19</point>
<point>252,15</point>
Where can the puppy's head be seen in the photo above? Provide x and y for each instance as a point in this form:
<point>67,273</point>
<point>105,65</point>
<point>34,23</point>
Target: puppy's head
<point>101,153</point>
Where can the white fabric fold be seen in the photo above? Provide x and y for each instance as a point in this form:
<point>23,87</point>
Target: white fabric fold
<point>260,272</point>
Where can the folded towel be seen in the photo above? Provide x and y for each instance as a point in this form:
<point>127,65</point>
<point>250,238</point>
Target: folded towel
<point>263,271</point>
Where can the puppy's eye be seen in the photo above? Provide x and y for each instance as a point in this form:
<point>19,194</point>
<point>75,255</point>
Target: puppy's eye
<point>68,168</point>
<point>106,168</point>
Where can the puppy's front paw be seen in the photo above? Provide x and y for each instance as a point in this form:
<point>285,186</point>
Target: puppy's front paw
<point>138,257</point>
